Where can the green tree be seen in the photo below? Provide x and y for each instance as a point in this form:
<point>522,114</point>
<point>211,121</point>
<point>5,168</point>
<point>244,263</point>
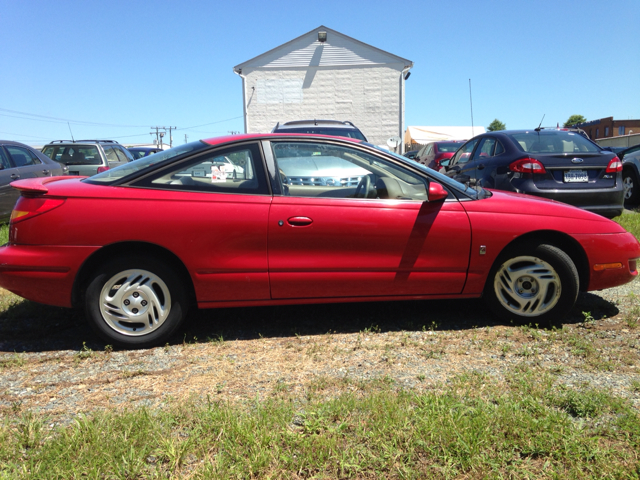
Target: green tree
<point>574,120</point>
<point>496,125</point>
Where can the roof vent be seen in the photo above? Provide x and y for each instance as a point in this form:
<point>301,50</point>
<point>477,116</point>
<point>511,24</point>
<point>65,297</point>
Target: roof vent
<point>322,37</point>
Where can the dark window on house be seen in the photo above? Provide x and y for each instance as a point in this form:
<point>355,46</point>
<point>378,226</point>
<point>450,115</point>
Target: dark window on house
<point>621,130</point>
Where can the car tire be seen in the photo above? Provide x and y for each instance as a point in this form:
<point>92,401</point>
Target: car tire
<point>135,302</point>
<point>631,187</point>
<point>532,284</point>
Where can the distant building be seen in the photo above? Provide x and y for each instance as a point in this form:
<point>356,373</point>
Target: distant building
<point>326,75</point>
<point>608,127</point>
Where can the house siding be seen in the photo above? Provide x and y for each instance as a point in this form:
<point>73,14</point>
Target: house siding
<point>368,96</point>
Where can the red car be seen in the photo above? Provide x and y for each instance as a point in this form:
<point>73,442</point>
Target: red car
<point>311,219</point>
<point>433,153</point>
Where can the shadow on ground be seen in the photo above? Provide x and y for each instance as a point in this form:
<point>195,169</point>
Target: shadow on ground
<point>30,327</point>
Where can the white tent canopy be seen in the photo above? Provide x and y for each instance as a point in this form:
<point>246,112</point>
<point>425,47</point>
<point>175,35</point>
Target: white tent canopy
<point>424,135</point>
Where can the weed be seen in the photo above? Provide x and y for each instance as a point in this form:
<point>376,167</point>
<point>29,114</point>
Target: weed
<point>84,353</point>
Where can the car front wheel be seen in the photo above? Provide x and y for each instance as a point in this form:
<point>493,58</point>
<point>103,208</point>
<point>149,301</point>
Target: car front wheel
<point>135,302</point>
<point>534,284</point>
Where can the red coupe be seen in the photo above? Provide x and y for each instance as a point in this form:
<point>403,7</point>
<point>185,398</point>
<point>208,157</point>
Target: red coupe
<point>310,219</point>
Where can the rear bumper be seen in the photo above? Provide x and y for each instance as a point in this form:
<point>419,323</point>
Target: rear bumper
<point>607,202</point>
<point>43,274</point>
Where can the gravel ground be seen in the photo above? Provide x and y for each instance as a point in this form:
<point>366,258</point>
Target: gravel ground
<point>51,363</point>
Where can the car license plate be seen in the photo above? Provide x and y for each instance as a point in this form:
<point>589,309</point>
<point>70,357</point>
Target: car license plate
<point>575,176</point>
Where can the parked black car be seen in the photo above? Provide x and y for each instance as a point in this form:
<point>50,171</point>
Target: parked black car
<point>552,163</point>
<point>19,161</point>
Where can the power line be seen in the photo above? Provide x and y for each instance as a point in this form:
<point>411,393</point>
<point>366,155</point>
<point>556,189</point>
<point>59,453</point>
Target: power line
<point>44,118</point>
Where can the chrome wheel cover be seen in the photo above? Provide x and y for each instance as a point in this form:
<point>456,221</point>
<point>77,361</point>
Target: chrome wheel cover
<point>527,286</point>
<point>135,302</point>
<point>627,184</point>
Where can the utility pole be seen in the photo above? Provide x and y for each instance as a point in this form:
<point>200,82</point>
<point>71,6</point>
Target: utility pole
<point>185,137</point>
<point>160,134</point>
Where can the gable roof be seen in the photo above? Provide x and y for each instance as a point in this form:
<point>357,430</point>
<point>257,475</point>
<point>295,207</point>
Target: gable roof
<point>337,50</point>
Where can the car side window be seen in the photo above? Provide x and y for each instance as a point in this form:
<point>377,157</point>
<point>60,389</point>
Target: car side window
<point>485,149</point>
<point>21,156</point>
<point>463,155</point>
<point>4,161</point>
<point>120,154</point>
<point>237,170</point>
<point>110,153</point>
<point>309,169</point>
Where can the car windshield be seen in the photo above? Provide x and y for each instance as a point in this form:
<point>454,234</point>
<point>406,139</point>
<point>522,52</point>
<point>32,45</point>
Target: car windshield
<point>553,142</point>
<point>449,147</point>
<point>336,132</point>
<point>443,179</point>
<point>115,174</point>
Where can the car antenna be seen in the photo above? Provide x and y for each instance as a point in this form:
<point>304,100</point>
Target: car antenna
<point>72,139</point>
<point>539,126</point>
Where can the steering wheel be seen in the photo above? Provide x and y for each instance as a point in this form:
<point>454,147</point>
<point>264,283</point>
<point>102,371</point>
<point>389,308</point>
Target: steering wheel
<point>365,186</point>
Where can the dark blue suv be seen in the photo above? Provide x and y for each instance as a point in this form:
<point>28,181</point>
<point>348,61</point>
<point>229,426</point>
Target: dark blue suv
<point>553,163</point>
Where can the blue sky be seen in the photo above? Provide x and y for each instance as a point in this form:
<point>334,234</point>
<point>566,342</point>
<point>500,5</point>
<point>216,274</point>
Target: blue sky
<point>115,68</point>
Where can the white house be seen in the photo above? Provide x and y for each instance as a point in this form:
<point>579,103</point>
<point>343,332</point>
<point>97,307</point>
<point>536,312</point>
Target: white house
<point>324,74</point>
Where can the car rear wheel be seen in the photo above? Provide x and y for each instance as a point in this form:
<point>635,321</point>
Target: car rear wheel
<point>135,302</point>
<point>535,284</point>
<point>631,187</point>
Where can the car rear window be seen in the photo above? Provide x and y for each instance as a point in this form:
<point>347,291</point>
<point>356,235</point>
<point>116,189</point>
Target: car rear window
<point>73,154</point>
<point>132,168</point>
<point>336,132</point>
<point>553,142</point>
<point>449,147</point>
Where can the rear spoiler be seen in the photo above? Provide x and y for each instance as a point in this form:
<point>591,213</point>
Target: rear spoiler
<point>37,185</point>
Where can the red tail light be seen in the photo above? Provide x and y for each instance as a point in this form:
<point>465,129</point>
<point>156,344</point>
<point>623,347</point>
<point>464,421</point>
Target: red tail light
<point>527,165</point>
<point>615,165</point>
<point>29,207</point>
<point>103,169</point>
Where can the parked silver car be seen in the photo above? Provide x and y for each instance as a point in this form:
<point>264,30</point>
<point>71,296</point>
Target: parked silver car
<point>19,161</point>
<point>88,157</point>
<point>630,175</point>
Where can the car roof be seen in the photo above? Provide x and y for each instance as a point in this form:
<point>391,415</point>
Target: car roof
<point>266,136</point>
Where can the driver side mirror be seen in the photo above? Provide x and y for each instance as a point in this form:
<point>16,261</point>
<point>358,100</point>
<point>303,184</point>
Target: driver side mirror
<point>437,192</point>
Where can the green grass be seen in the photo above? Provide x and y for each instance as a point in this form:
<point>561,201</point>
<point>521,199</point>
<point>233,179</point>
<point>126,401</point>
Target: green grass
<point>4,233</point>
<point>630,222</point>
<point>472,428</point>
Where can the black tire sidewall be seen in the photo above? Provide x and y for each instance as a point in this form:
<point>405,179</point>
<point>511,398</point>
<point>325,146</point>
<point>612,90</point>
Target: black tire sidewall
<point>176,316</point>
<point>563,266</point>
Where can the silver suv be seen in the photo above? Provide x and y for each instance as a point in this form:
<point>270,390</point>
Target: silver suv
<point>321,127</point>
<point>88,157</point>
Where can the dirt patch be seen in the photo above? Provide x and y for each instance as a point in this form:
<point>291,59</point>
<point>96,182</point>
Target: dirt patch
<point>51,363</point>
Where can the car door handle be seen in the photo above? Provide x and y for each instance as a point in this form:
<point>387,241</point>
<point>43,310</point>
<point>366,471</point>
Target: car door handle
<point>481,166</point>
<point>14,176</point>
<point>46,172</point>
<point>299,221</point>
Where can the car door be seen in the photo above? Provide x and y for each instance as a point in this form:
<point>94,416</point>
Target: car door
<point>353,224</point>
<point>481,167</point>
<point>27,163</point>
<point>222,219</point>
<point>458,167</point>
<point>8,194</point>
